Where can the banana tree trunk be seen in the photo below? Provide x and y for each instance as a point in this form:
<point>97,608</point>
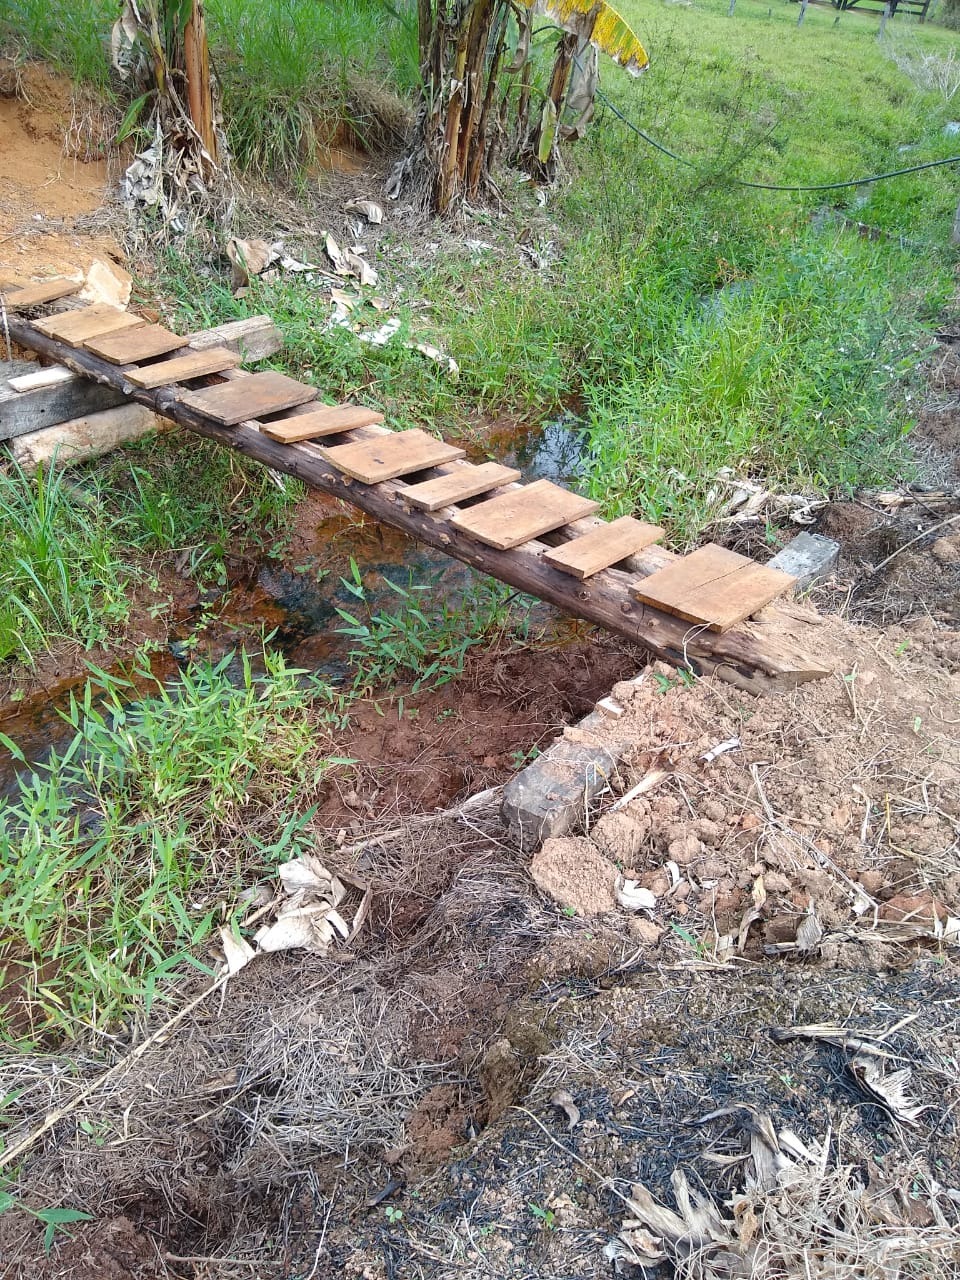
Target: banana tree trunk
<point>462,44</point>
<point>196,61</point>
<point>539,153</point>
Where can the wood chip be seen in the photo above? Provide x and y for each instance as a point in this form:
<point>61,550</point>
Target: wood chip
<point>325,421</point>
<point>458,485</point>
<point>518,515</point>
<point>183,368</point>
<point>248,398</point>
<point>712,586</point>
<point>135,345</point>
<point>53,376</point>
<point>601,547</point>
<point>399,453</point>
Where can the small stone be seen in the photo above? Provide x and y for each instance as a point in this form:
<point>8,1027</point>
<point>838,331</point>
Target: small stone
<point>872,881</point>
<point>713,810</point>
<point>685,850</point>
<point>646,932</point>
<point>776,882</point>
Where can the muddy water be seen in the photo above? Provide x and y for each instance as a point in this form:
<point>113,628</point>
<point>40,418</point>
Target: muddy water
<point>296,601</point>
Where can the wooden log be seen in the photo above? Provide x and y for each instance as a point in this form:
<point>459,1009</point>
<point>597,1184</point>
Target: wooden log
<point>21,412</point>
<point>762,656</point>
<point>84,438</point>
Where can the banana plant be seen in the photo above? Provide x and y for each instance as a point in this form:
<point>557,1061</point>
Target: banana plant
<point>589,28</point>
<point>467,48</point>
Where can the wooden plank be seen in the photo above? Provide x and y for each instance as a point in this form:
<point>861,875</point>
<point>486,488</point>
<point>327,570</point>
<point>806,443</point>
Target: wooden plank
<point>398,453</point>
<point>249,398</point>
<point>713,586</point>
<point>325,421</point>
<point>520,515</point>
<point>600,548</point>
<point>34,294</point>
<point>90,322</point>
<point>132,346</point>
<point>183,368</point>
<point>51,376</point>
<point>253,338</point>
<point>458,485</point>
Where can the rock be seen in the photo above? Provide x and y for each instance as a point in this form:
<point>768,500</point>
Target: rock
<point>574,873</point>
<point>685,850</point>
<point>809,557</point>
<point>776,882</point>
<point>646,932</point>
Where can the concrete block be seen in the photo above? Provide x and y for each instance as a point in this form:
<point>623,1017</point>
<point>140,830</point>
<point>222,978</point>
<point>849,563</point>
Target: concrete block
<point>809,557</point>
<point>550,796</point>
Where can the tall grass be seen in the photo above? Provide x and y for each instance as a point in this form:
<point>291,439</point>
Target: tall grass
<point>60,575</point>
<point>293,70</point>
<point>121,856</point>
<point>73,36</point>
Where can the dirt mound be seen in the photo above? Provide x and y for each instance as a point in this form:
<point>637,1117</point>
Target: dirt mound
<point>53,174</point>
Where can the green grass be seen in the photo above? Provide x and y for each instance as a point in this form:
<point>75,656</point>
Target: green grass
<point>73,37</point>
<point>60,574</point>
<point>292,72</point>
<point>120,857</point>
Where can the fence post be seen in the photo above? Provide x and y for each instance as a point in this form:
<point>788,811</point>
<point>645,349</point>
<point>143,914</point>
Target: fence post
<point>883,20</point>
<point>803,12</point>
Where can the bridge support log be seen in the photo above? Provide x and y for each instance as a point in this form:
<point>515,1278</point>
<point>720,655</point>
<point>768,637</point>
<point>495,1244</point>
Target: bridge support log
<point>764,656</point>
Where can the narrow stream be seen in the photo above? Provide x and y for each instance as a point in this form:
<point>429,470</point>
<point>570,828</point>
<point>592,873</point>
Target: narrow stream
<point>298,606</point>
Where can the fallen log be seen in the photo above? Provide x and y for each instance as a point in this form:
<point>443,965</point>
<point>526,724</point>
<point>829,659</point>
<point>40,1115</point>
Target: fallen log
<point>762,656</point>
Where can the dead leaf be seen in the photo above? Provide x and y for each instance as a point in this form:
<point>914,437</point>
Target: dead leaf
<point>633,897</point>
<point>249,258</point>
<point>367,209</point>
<point>237,951</point>
<point>889,1090</point>
<point>564,1100</point>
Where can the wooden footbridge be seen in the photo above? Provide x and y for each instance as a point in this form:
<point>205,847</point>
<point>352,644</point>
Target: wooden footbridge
<point>543,539</point>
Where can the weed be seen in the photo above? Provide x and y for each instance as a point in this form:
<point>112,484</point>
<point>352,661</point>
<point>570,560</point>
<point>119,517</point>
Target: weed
<point>426,639</point>
<point>393,1215</point>
<point>59,574</point>
<point>53,1218</point>
<point>123,852</point>
<point>546,1217</point>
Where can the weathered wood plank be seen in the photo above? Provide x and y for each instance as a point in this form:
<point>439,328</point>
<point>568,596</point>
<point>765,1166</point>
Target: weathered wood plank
<point>32,410</point>
<point>467,481</point>
<point>394,454</point>
<point>714,587</point>
<point>766,656</point>
<point>253,338</point>
<point>37,293</point>
<point>522,514</point>
<point>51,375</point>
<point>328,420</point>
<point>600,548</point>
<point>249,398</point>
<point>89,322</point>
<point>182,368</point>
<point>135,345</point>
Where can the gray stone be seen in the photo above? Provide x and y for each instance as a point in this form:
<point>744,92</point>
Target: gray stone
<point>809,557</point>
